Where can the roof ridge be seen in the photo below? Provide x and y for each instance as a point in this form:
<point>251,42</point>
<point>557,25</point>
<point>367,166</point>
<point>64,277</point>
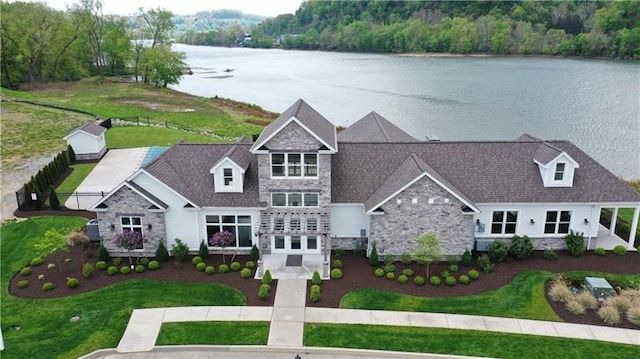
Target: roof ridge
<point>376,117</point>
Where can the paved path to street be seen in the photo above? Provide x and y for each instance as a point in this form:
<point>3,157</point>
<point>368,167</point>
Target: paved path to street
<point>288,315</point>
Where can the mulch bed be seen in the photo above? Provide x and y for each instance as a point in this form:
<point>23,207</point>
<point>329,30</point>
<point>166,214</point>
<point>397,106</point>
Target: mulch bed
<point>357,273</point>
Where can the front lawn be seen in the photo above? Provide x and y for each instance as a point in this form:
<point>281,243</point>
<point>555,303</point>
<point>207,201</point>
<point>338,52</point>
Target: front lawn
<point>214,333</point>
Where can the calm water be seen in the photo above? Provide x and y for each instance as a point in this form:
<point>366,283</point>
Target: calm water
<point>594,104</point>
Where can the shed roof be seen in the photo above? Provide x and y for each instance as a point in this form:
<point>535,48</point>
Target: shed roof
<point>90,127</point>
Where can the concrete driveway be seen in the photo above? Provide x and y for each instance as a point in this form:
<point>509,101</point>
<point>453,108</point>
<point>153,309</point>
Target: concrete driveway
<point>112,169</point>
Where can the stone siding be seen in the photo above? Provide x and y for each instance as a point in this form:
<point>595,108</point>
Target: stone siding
<point>91,156</point>
<point>126,202</point>
<point>348,243</point>
<point>394,231</point>
<point>293,137</point>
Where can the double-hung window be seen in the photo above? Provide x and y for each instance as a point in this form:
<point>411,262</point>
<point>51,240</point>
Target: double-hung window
<point>227,174</point>
<point>294,199</point>
<point>559,173</point>
<point>504,222</point>
<point>133,224</point>
<point>294,165</point>
<point>557,222</point>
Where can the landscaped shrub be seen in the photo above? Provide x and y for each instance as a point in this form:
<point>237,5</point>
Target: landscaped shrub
<point>575,243</point>
<point>103,253</point>
<point>266,278</point>
<point>549,255</point>
<point>125,270</point>
<point>116,261</point>
<point>162,255</point>
<point>201,266</point>
<point>389,268</point>
<point>484,263</point>
<point>203,251</point>
<point>195,260</point>
<point>633,315</point>
<point>587,300</point>
<point>25,271</point>
<point>255,253</point>
<point>521,247</point>
<point>73,282</point>
<point>446,274</point>
<point>338,253</point>
<point>235,266</point>
<point>314,293</point>
<point>609,315</point>
<point>179,250</point>
<point>574,307</point>
<point>435,281</point>
<point>418,280</point>
<point>406,259</point>
<point>36,262</point>
<point>379,272</point>
<point>625,228</point>
<point>467,258</point>
<point>87,270</point>
<point>391,276</point>
<point>473,274</point>
<point>48,286</point>
<point>453,268</point>
<point>403,279</point>
<point>140,268</point>
<point>223,268</point>
<point>463,279</point>
<point>209,269</point>
<point>638,249</point>
<point>599,251</point>
<point>263,292</point>
<point>336,273</point>
<point>154,265</point>
<point>337,264</point>
<point>245,273</point>
<point>374,260</point>
<point>620,250</point>
<point>408,272</point>
<point>77,239</point>
<point>250,265</point>
<point>112,270</point>
<point>497,251</point>
<point>621,303</point>
<point>315,278</point>
<point>144,261</point>
<point>559,292</point>
<point>633,295</point>
<point>450,281</point>
<point>23,284</point>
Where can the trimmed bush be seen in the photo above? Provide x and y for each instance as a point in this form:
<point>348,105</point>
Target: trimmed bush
<point>112,270</point>
<point>467,258</point>
<point>575,243</point>
<point>336,273</point>
<point>338,253</point>
<point>446,274</point>
<point>620,250</point>
<point>403,279</point>
<point>587,300</point>
<point>255,253</point>
<point>140,268</point>
<point>263,292</point>
<point>574,307</point>
<point>203,251</point>
<point>559,292</point>
<point>195,260</point>
<point>101,265</point>
<point>549,255</point>
<point>391,276</point>
<point>73,282</point>
<point>103,253</point>
<point>374,260</point>
<point>48,286</point>
<point>314,293</point>
<point>473,274</point>
<point>484,263</point>
<point>408,272</point>
<point>389,268</point>
<point>162,255</point>
<point>266,278</point>
<point>201,266</point>
<point>418,280</point>
<point>116,261</point>
<point>23,284</point>
<point>180,250</point>
<point>337,264</point>
<point>454,268</point>
<point>406,259</point>
<point>144,261</point>
<point>463,279</point>
<point>609,315</point>
<point>125,270</point>
<point>25,271</point>
<point>246,273</point>
<point>36,262</point>
<point>223,268</point>
<point>209,269</point>
<point>599,251</point>
<point>450,281</point>
<point>235,266</point>
<point>633,316</point>
<point>435,281</point>
<point>154,265</point>
<point>497,251</point>
<point>250,265</point>
<point>521,247</point>
<point>88,270</point>
<point>379,272</point>
<point>315,278</point>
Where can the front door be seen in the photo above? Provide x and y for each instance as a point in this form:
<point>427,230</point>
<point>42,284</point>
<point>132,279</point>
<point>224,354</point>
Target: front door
<point>295,244</point>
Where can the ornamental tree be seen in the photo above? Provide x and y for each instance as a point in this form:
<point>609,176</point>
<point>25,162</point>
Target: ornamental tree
<point>222,240</point>
<point>428,249</point>
<point>128,240</point>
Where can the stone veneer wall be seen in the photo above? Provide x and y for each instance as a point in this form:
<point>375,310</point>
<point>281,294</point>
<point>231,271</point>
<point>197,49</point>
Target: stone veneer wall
<point>394,231</point>
<point>540,244</point>
<point>91,156</point>
<point>348,243</point>
<point>126,202</point>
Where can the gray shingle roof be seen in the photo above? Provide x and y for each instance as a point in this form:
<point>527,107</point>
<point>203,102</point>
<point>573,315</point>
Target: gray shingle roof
<point>374,128</point>
<point>91,128</point>
<point>309,117</point>
<point>546,152</point>
<point>238,156</point>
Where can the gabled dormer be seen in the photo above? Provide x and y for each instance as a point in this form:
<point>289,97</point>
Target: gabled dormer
<point>228,173</point>
<point>556,167</point>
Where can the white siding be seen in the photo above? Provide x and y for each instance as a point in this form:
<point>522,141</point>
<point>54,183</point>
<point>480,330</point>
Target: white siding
<point>348,220</point>
<point>254,213</point>
<point>84,143</point>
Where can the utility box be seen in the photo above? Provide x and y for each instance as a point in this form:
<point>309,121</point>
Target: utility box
<point>93,232</point>
<point>599,287</point>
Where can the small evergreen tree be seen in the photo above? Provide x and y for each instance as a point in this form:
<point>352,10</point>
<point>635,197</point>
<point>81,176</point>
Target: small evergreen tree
<point>71,154</point>
<point>467,258</point>
<point>374,260</point>
<point>255,253</point>
<point>575,243</point>
<point>103,254</point>
<point>203,251</point>
<point>54,202</point>
<point>162,254</point>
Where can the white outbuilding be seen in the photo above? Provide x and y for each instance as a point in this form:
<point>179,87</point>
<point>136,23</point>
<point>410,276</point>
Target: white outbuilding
<point>88,141</point>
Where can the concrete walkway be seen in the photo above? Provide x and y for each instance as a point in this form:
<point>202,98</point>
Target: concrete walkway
<point>288,315</point>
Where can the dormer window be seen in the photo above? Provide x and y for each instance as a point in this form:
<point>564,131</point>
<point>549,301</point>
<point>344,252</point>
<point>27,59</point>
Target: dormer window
<point>228,176</point>
<point>294,165</point>
<point>559,173</point>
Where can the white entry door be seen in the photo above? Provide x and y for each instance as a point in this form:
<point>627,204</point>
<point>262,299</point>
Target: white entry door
<point>295,244</point>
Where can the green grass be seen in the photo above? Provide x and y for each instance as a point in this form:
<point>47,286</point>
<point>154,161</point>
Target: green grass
<point>45,329</point>
<point>127,137</point>
<point>626,214</point>
<point>79,173</point>
<point>524,297</point>
<point>214,333</point>
<point>460,342</point>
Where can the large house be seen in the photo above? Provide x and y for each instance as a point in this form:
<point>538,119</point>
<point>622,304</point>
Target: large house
<point>301,188</point>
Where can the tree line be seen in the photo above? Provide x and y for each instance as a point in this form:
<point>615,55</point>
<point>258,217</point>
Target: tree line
<point>39,44</point>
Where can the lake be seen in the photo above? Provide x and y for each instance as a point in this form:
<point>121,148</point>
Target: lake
<point>593,103</point>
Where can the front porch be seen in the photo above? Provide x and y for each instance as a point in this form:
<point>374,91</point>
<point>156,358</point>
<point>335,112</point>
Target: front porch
<point>607,240</point>
<point>277,265</point>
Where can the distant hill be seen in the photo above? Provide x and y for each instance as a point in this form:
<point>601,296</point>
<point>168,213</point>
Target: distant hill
<point>206,21</point>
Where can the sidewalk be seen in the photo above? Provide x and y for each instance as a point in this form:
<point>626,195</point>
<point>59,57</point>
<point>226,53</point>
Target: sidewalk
<point>288,316</point>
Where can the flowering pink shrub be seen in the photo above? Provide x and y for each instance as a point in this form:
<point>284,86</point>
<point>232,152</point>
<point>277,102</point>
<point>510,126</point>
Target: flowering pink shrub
<point>222,239</point>
<point>128,240</point>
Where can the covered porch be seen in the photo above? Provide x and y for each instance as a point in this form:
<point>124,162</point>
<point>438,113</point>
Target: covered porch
<point>293,266</point>
<point>608,238</point>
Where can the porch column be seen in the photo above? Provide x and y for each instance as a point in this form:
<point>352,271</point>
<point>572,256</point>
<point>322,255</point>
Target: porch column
<point>614,220</point>
<point>634,227</point>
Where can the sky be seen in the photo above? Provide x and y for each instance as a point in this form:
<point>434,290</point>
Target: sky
<point>269,8</point>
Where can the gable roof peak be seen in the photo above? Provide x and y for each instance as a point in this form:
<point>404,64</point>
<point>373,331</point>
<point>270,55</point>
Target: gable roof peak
<point>373,127</point>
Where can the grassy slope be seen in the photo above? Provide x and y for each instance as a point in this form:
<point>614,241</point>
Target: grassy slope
<point>126,137</point>
<point>45,329</point>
